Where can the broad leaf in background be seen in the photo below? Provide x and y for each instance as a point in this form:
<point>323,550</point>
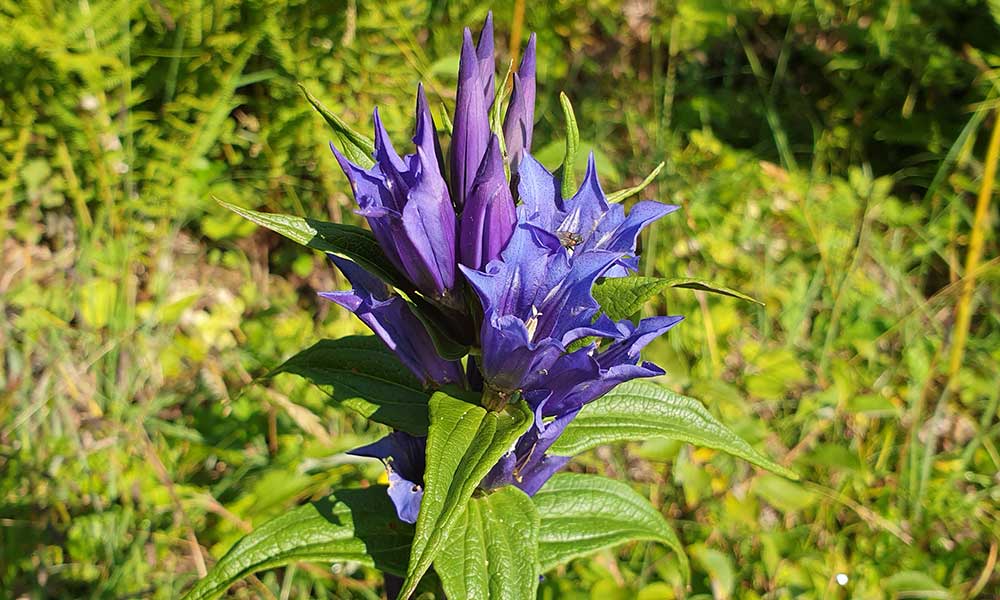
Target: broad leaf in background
<point>641,409</point>
<point>350,525</point>
<point>621,297</point>
<point>359,372</point>
<point>581,514</point>
<point>348,241</point>
<point>627,193</point>
<point>464,441</point>
<point>355,146</point>
<point>492,552</point>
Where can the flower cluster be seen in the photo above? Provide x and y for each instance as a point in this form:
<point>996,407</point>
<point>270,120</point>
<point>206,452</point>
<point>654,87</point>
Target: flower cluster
<point>530,257</point>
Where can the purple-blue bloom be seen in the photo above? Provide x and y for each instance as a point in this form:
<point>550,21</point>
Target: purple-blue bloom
<point>407,205</point>
<point>390,317</point>
<point>471,131</point>
<point>519,122</point>
<point>489,216</point>
<point>532,266</point>
<point>403,456</point>
<point>537,297</point>
<point>536,301</point>
<point>587,221</point>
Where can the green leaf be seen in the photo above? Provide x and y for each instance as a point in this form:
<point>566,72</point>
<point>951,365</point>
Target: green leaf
<point>361,373</point>
<point>627,193</point>
<point>582,514</point>
<point>572,147</point>
<point>348,241</point>
<point>915,584</point>
<point>350,525</point>
<point>492,550</point>
<point>638,410</point>
<point>621,297</point>
<point>704,286</point>
<point>355,146</point>
<point>464,441</point>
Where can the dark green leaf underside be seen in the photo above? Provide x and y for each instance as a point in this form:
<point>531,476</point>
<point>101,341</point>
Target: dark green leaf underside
<point>348,241</point>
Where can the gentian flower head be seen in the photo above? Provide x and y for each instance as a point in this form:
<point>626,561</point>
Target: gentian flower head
<point>543,336</point>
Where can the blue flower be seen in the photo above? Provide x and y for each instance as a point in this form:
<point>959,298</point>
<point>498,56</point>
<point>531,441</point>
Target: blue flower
<point>489,216</point>
<point>390,317</point>
<point>542,335</point>
<point>557,396</point>
<point>536,296</point>
<point>471,130</point>
<point>403,456</point>
<point>587,221</point>
<point>408,207</point>
<point>519,122</point>
<point>536,301</point>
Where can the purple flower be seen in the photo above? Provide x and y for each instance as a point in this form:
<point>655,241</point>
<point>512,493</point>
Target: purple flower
<point>528,466</point>
<point>574,380</point>
<point>471,131</point>
<point>406,203</point>
<point>403,456</point>
<point>532,267</point>
<point>489,217</point>
<point>390,317</point>
<point>519,121</point>
<point>485,60</point>
<point>586,221</point>
<point>536,301</point>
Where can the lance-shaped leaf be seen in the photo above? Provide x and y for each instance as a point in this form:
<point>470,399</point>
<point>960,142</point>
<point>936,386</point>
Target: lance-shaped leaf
<point>566,171</point>
<point>353,145</point>
<point>351,525</point>
<point>627,193</point>
<point>492,550</point>
<point>463,442</point>
<point>621,297</point>
<point>349,241</point>
<point>581,514</point>
<point>360,373</point>
<point>639,410</point>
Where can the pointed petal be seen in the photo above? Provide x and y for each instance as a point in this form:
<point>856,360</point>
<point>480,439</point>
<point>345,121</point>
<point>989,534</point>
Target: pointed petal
<point>391,319</point>
<point>518,123</point>
<point>488,217</point>
<point>471,129</point>
<point>484,56</point>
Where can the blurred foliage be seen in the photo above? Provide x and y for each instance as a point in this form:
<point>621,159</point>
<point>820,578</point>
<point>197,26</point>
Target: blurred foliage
<point>826,155</point>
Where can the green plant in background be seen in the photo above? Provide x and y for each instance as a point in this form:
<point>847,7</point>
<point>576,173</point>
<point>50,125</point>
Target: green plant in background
<point>117,287</point>
<point>547,377</point>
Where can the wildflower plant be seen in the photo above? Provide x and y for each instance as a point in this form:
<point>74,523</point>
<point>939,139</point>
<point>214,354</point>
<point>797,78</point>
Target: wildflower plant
<point>504,307</point>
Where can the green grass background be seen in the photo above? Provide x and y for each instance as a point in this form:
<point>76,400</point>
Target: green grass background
<point>827,156</point>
